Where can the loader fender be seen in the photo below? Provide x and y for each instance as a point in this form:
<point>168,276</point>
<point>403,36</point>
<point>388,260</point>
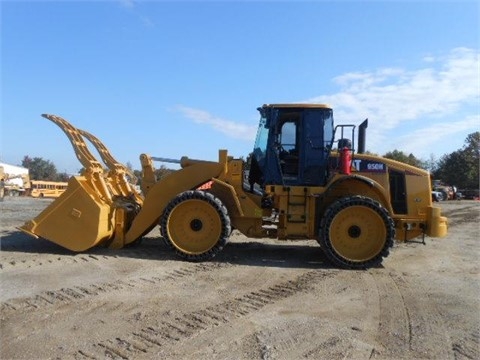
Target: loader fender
<point>166,189</point>
<point>358,185</point>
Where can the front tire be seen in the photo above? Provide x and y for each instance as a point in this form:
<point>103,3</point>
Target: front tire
<point>356,233</point>
<point>196,224</point>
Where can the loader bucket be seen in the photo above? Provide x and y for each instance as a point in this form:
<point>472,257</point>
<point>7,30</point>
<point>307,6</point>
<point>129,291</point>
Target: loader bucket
<point>77,220</point>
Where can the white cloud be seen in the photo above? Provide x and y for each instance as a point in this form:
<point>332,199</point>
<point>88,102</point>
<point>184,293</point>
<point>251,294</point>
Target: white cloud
<point>127,3</point>
<point>416,111</point>
<point>422,142</point>
<point>393,95</point>
<point>438,95</point>
<point>134,8</point>
<point>227,127</point>
<point>428,58</point>
<point>147,21</point>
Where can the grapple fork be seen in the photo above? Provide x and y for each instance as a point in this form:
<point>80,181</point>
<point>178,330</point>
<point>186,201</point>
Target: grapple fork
<point>96,205</point>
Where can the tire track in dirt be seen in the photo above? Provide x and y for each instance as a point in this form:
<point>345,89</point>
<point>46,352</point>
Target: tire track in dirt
<point>468,347</point>
<point>42,260</point>
<point>78,293</point>
<point>394,321</point>
<point>407,319</point>
<point>335,340</point>
<point>154,250</point>
<point>299,340</point>
<point>172,329</point>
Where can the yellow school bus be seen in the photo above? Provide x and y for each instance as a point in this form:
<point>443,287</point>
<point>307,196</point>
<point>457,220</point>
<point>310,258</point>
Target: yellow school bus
<point>41,188</point>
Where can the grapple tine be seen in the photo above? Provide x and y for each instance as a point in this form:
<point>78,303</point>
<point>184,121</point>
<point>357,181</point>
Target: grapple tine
<point>79,146</point>
<point>93,169</point>
<point>116,176</point>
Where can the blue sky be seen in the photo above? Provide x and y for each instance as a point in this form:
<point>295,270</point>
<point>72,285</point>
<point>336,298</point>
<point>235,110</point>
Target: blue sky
<point>175,78</point>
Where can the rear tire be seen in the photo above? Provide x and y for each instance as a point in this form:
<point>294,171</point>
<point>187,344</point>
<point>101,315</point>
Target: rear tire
<point>356,233</point>
<point>196,225</point>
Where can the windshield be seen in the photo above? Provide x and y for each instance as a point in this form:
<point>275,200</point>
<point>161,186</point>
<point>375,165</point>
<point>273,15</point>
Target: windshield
<point>328,131</point>
<point>260,148</point>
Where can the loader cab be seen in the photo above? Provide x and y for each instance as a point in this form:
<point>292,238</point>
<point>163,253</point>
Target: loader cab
<point>292,146</point>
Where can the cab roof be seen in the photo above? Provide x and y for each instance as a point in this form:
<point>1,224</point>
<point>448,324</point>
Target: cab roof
<point>298,105</point>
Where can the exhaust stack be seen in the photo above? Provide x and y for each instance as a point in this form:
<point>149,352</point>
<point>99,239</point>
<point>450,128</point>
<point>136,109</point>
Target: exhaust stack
<point>362,132</point>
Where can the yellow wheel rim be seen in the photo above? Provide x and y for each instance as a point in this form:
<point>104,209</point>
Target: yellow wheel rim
<point>194,226</point>
<point>358,233</point>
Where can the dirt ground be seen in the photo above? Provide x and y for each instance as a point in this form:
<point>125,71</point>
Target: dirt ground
<point>257,300</point>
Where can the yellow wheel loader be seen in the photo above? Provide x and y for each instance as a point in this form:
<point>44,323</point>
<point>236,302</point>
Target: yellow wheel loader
<point>299,183</point>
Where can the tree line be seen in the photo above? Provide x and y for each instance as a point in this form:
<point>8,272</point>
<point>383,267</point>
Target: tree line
<point>459,168</point>
<point>41,169</point>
